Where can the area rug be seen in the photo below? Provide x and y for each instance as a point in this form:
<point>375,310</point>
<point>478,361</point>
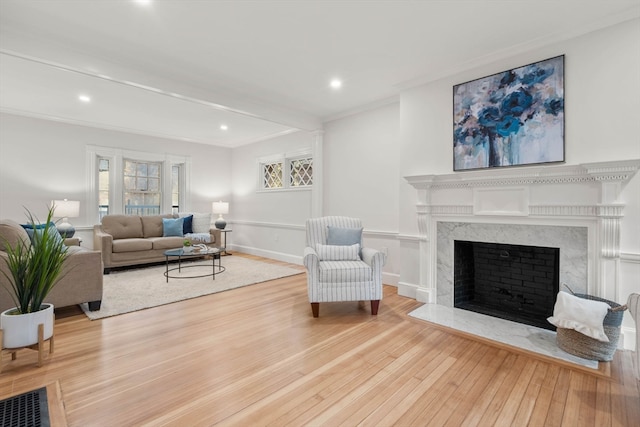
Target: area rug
<point>130,290</point>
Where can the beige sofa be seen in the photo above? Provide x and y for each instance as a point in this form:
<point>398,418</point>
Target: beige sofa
<point>81,279</point>
<point>126,240</point>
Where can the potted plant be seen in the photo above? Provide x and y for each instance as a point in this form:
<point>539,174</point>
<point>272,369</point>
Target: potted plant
<point>186,246</point>
<point>35,268</point>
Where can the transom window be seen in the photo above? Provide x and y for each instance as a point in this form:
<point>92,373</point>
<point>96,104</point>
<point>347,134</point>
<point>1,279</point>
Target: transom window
<point>301,172</point>
<point>298,168</point>
<point>272,175</point>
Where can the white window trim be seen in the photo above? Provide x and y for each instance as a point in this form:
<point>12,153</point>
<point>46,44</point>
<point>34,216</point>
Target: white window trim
<point>116,158</point>
<point>285,159</point>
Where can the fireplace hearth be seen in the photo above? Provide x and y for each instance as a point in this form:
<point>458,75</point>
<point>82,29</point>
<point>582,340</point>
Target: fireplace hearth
<point>513,282</point>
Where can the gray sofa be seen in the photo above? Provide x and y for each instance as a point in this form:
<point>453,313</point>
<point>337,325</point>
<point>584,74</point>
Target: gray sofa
<point>81,278</point>
<point>127,240</point>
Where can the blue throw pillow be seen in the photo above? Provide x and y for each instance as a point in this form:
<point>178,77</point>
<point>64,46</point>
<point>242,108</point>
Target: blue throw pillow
<point>187,227</point>
<point>172,227</point>
<point>37,226</point>
<point>53,232</point>
<point>344,236</point>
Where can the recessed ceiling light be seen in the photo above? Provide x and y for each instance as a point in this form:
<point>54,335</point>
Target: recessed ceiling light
<point>336,84</point>
<point>84,98</point>
<point>143,2</point>
<point>224,127</point>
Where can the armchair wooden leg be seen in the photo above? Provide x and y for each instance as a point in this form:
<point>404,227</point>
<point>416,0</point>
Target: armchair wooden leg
<point>315,309</point>
<point>374,306</point>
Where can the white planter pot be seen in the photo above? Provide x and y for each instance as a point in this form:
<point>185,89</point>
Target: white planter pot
<point>21,330</point>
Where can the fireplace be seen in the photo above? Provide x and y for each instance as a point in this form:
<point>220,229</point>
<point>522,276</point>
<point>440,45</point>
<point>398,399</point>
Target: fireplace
<point>513,282</point>
<point>578,209</point>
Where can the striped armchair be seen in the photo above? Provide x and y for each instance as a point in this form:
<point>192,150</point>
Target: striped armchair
<point>338,267</point>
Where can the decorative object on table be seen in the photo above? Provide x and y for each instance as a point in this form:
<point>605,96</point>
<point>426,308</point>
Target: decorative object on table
<point>34,268</point>
<point>587,326</point>
<point>200,247</point>
<point>66,209</point>
<point>220,208</point>
<point>511,118</point>
<point>186,246</point>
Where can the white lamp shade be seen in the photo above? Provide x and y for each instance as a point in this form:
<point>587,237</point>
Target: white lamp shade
<point>221,208</point>
<point>66,208</point>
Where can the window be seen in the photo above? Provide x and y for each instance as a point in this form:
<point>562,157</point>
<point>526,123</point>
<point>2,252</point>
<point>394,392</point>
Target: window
<point>136,183</point>
<point>301,172</point>
<point>297,166</point>
<point>142,195</point>
<point>272,175</point>
<point>103,187</point>
<point>176,172</point>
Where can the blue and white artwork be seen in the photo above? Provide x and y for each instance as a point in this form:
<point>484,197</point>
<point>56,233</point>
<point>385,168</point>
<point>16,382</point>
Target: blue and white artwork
<point>511,118</point>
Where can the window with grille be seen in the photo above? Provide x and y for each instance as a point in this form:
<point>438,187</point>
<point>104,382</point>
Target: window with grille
<point>287,171</point>
<point>301,172</point>
<point>142,195</point>
<point>136,182</point>
<point>272,175</point>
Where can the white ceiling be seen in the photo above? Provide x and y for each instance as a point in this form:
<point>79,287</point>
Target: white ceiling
<point>181,68</point>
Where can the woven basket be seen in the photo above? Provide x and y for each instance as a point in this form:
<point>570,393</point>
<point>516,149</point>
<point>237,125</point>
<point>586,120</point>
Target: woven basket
<point>588,348</point>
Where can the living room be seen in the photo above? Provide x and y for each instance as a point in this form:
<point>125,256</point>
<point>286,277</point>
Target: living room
<point>363,157</point>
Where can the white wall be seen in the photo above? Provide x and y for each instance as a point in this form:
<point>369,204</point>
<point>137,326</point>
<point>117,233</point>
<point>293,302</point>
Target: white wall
<point>602,100</point>
<point>42,160</point>
<point>268,223</point>
<point>361,174</point>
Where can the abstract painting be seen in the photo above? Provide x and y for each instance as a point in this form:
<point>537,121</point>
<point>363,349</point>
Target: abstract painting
<point>511,118</point>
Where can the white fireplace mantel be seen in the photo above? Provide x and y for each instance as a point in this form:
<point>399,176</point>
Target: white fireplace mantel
<point>586,195</point>
<point>616,172</point>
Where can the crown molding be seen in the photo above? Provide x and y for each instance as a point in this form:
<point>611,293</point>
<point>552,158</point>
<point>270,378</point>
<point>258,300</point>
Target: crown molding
<point>527,46</point>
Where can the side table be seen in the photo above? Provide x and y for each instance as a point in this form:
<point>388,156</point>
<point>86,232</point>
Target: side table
<point>224,233</point>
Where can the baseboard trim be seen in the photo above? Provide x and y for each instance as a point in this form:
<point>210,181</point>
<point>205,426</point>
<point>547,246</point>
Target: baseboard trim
<point>407,289</point>
<point>280,256</point>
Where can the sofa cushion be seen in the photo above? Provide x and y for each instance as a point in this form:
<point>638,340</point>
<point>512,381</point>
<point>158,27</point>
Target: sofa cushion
<point>152,225</point>
<point>172,227</point>
<point>338,252</point>
<point>123,226</point>
<point>344,271</point>
<point>167,242</point>
<point>12,233</point>
<point>132,245</point>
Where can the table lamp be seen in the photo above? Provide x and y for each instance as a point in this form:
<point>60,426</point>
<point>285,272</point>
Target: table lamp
<point>220,208</point>
<point>65,209</point>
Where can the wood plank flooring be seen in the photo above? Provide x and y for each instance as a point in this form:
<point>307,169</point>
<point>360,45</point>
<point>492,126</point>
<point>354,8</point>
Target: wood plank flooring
<point>255,356</point>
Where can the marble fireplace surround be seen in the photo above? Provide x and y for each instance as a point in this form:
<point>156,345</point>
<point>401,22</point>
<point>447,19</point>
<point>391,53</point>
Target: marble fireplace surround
<point>572,242</point>
<point>573,207</point>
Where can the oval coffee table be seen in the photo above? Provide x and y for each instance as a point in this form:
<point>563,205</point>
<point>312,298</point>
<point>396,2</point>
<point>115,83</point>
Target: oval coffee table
<point>179,253</point>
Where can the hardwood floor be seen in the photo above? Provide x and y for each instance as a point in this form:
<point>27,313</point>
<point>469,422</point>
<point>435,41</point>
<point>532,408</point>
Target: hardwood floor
<point>255,356</point>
